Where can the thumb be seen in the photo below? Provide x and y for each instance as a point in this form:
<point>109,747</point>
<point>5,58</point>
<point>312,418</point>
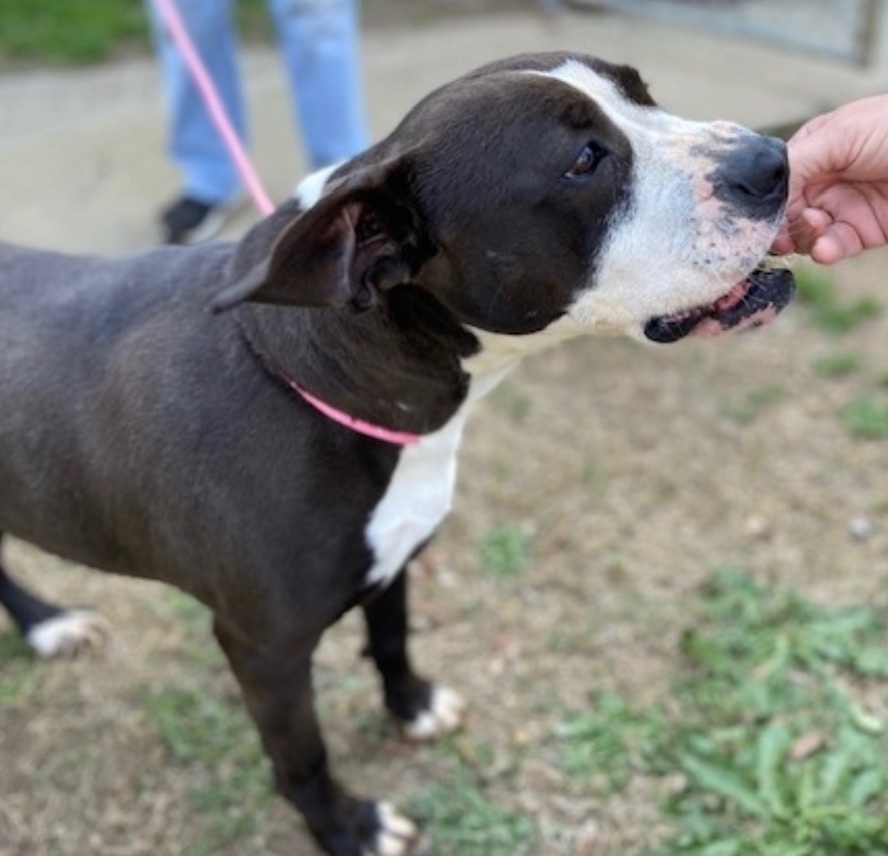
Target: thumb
<point>812,157</point>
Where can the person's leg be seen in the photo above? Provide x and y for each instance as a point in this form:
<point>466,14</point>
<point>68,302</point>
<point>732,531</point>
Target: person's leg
<point>319,42</point>
<point>194,143</point>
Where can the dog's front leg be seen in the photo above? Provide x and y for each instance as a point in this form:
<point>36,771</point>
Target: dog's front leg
<point>426,711</point>
<point>277,688</point>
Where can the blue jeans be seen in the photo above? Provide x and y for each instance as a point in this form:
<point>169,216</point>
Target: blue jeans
<point>319,43</point>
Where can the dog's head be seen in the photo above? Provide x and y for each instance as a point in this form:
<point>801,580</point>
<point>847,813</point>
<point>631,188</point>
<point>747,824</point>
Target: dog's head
<point>542,193</point>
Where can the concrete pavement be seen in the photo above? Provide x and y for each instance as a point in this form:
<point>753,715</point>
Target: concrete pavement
<point>82,163</point>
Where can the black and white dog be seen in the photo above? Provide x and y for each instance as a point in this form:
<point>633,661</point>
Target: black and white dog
<point>284,460</point>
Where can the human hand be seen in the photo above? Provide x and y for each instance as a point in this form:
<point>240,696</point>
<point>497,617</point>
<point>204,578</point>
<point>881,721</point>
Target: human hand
<point>838,185</point>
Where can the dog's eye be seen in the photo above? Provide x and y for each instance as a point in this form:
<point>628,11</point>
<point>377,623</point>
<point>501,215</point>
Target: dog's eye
<point>587,161</point>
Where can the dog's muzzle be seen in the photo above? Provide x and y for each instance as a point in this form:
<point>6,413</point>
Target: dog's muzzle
<point>752,183</point>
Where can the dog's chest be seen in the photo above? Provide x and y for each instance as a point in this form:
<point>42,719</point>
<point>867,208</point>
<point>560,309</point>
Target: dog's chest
<point>416,501</point>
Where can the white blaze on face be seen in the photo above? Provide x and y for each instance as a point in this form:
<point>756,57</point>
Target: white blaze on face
<point>675,246</point>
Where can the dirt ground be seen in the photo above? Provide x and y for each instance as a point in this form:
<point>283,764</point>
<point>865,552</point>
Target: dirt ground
<point>629,472</point>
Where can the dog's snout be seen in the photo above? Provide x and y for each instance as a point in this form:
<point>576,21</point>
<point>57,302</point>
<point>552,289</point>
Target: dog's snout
<point>755,176</point>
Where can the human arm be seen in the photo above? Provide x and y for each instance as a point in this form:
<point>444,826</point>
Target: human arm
<point>838,195</point>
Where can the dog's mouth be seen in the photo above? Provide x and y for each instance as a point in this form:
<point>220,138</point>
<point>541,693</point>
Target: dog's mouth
<point>752,303</point>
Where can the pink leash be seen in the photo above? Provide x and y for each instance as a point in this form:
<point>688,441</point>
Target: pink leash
<point>173,21</point>
<point>170,15</point>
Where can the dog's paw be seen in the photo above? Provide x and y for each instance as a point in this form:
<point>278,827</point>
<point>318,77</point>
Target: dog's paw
<point>445,713</point>
<point>67,634</point>
<point>356,827</point>
<point>396,835</point>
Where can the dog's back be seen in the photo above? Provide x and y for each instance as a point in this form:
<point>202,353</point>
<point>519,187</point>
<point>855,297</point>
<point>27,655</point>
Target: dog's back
<point>77,332</point>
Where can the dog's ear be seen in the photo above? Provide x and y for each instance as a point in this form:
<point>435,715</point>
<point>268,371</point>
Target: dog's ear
<point>358,239</point>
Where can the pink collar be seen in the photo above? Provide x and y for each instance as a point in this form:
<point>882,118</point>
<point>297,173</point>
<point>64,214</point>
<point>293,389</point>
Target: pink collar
<point>368,429</point>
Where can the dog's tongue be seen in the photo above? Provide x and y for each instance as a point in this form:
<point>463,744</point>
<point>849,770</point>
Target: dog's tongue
<point>733,297</point>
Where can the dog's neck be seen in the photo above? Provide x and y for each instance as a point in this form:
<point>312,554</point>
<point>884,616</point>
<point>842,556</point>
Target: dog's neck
<point>406,365</point>
<point>399,366</point>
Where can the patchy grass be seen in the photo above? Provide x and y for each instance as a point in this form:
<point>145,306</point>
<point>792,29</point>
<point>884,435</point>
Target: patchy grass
<point>208,736</point>
<point>20,673</point>
<point>508,399</point>
<point>866,418</point>
<point>504,551</point>
<point>776,751</point>
<point>828,312</point>
<point>837,365</point>
<point>70,31</point>
<point>460,818</point>
<point>746,408</point>
<point>76,32</point>
<point>231,785</point>
<point>600,746</point>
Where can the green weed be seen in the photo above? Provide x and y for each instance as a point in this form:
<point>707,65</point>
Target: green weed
<point>19,670</point>
<point>866,418</point>
<point>231,785</point>
<point>749,406</point>
<point>463,823</point>
<point>185,609</point>
<point>776,755</point>
<point>461,820</point>
<point>458,815</point>
<point>13,647</point>
<point>837,365</point>
<point>510,401</point>
<point>85,31</point>
<point>827,311</point>
<point>70,31</point>
<point>814,288</point>
<point>842,319</point>
<point>603,745</point>
<point>504,551</point>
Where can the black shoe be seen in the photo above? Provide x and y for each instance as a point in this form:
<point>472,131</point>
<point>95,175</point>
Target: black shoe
<point>190,221</point>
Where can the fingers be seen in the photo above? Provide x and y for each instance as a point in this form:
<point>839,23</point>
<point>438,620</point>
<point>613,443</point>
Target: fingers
<point>783,245</point>
<point>817,235</point>
<point>838,188</point>
<point>811,226</point>
<point>800,234</point>
<point>840,241</point>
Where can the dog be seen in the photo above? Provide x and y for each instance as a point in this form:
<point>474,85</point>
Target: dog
<point>272,425</point>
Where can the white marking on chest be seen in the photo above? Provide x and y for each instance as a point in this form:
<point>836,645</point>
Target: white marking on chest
<point>416,501</point>
<point>420,492</point>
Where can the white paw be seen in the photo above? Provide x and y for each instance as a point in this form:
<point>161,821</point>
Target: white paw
<point>396,835</point>
<point>445,714</point>
<point>68,634</point>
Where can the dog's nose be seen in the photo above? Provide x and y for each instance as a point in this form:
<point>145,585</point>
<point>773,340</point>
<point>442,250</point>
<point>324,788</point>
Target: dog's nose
<point>755,176</point>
